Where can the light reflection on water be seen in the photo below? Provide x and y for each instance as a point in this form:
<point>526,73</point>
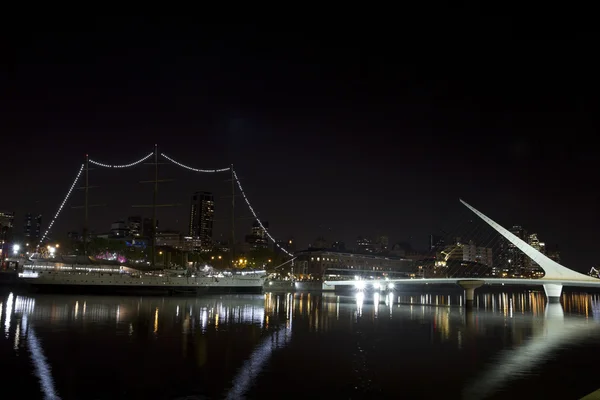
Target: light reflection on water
<point>235,346</point>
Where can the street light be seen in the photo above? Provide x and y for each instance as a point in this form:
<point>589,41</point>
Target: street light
<point>16,248</point>
<point>52,250</point>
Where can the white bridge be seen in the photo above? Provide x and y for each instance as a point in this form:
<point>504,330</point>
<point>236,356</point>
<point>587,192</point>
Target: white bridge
<point>556,275</point>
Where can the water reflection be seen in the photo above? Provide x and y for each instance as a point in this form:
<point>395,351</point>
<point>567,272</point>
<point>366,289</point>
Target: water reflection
<point>550,334</point>
<point>229,345</point>
<point>259,357</point>
<point>42,368</point>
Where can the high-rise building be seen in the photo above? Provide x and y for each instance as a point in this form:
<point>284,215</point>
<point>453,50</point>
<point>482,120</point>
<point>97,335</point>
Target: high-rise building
<point>33,227</point>
<point>147,227</point>
<point>436,243</point>
<point>119,229</point>
<point>6,230</point>
<point>202,214</point>
<point>134,225</point>
<point>533,268</point>
<point>257,239</point>
<point>553,253</point>
<point>482,255</point>
<point>258,230</point>
<point>514,261</point>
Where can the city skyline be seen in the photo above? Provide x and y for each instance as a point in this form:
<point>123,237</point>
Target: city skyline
<point>315,150</point>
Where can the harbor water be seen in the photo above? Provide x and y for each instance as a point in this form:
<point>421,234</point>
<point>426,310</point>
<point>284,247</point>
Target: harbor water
<point>299,345</point>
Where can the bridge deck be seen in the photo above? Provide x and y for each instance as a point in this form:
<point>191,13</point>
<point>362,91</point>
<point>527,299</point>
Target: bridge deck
<point>491,281</point>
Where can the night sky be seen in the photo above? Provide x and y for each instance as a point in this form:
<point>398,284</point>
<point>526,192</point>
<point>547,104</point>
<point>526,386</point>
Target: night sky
<point>336,131</point>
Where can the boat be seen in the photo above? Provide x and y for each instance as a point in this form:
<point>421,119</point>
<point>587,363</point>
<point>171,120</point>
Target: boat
<point>60,277</point>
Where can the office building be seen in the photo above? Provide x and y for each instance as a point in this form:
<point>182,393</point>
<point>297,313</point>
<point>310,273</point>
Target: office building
<point>257,239</point>
<point>6,231</point>
<point>134,225</point>
<point>330,264</point>
<point>147,227</point>
<point>33,227</point>
<point>202,214</point>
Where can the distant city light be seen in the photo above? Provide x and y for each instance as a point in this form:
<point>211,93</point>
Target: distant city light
<point>16,248</point>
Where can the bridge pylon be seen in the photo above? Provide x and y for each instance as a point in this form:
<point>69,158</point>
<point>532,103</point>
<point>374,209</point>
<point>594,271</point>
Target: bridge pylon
<point>469,286</point>
<point>553,270</point>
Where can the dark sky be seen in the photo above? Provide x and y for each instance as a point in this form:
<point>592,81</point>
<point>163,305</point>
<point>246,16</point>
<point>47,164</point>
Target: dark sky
<point>335,130</point>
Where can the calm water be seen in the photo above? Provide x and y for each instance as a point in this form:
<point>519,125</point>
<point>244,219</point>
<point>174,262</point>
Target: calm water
<point>298,345</point>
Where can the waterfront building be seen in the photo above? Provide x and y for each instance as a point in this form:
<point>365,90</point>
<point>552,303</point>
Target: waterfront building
<point>331,264</point>
<point>6,231</point>
<point>257,239</point>
<point>202,214</point>
<point>32,227</point>
<point>134,225</point>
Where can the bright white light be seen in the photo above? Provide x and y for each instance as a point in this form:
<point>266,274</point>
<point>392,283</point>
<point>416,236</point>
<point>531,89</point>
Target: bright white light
<point>256,216</point>
<point>16,248</point>
<point>193,169</point>
<point>61,206</point>
<point>360,297</point>
<point>52,250</point>
<point>376,285</point>
<point>391,286</point>
<point>360,285</point>
<point>122,165</point>
<point>28,274</point>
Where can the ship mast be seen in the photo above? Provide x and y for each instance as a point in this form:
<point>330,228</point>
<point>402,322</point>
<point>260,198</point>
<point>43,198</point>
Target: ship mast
<point>86,206</point>
<point>86,217</point>
<point>154,205</point>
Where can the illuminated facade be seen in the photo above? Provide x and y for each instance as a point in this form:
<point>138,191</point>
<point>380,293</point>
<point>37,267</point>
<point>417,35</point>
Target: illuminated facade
<point>533,268</point>
<point>202,215</point>
<point>6,231</point>
<point>258,237</point>
<point>33,227</point>
<point>333,264</point>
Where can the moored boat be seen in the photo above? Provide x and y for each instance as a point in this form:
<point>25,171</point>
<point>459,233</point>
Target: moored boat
<point>98,278</point>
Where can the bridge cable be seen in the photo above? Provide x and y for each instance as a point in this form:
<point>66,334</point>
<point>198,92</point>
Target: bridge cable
<point>61,205</point>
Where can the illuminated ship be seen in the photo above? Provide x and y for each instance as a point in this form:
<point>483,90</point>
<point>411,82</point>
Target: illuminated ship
<point>98,278</point>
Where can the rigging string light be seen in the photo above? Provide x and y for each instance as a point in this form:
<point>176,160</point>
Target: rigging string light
<point>122,165</point>
<point>194,169</point>
<point>62,205</point>
<point>256,216</point>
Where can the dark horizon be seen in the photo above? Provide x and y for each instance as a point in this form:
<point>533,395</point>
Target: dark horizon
<point>333,134</point>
